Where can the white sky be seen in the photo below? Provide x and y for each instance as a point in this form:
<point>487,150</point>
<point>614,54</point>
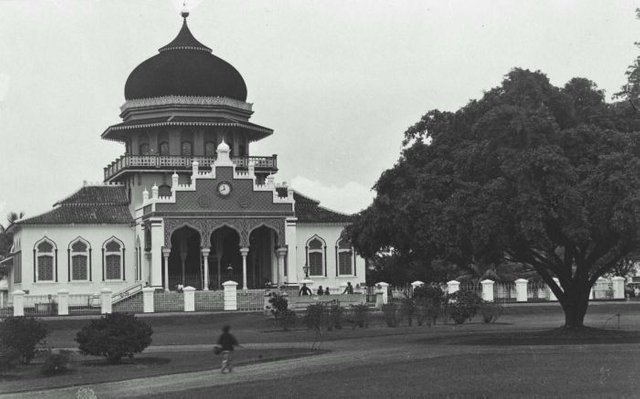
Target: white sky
<point>339,81</point>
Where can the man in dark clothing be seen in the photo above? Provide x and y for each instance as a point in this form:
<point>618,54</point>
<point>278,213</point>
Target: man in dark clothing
<point>349,288</point>
<point>227,342</point>
<point>305,290</point>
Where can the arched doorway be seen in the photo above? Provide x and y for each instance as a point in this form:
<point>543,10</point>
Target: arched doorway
<point>184,259</point>
<point>225,261</point>
<point>262,261</point>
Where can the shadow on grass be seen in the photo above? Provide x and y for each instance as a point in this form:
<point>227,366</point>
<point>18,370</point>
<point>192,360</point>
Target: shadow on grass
<point>559,336</point>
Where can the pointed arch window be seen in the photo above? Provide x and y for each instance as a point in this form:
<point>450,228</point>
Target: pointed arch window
<point>316,256</point>
<point>187,149</point>
<point>145,149</point>
<point>210,149</point>
<point>164,148</point>
<point>79,260</point>
<point>113,260</point>
<point>344,255</point>
<point>45,254</point>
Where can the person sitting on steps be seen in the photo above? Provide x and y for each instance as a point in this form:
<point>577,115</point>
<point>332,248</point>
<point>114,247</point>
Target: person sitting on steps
<point>305,290</point>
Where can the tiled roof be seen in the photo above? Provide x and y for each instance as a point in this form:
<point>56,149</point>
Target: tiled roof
<point>309,210</point>
<point>89,205</point>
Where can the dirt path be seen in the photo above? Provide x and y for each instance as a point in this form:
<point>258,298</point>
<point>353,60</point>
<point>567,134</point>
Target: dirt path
<point>344,354</point>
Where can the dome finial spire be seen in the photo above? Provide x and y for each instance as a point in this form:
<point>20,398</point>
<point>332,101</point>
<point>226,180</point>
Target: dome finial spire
<point>185,11</point>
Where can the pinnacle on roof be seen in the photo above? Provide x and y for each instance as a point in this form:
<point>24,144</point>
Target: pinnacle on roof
<point>185,39</point>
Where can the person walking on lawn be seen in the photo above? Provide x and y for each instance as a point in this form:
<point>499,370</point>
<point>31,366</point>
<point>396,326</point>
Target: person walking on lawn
<point>227,341</point>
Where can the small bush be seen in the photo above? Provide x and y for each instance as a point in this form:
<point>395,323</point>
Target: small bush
<point>427,313</point>
<point>490,311</point>
<point>360,315</point>
<point>114,336</point>
<point>390,311</point>
<point>429,301</point>
<point>288,319</point>
<point>336,314</point>
<point>284,317</point>
<point>56,362</point>
<point>23,334</point>
<point>318,317</point>
<point>462,305</point>
<point>9,357</point>
<point>408,309</point>
<point>432,295</point>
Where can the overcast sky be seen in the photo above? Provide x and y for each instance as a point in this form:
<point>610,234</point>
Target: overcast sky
<point>339,81</point>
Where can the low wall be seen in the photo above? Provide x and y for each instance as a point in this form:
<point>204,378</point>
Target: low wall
<point>345,300</point>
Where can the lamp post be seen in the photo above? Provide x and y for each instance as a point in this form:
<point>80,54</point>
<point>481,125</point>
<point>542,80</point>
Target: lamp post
<point>305,269</point>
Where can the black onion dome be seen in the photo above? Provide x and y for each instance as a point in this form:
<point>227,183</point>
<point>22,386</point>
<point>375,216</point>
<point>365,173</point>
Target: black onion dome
<point>185,67</point>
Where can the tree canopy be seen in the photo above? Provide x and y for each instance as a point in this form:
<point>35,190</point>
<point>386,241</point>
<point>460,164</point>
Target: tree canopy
<point>531,173</point>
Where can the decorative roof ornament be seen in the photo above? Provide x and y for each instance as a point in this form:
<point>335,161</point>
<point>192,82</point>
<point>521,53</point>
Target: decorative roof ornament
<point>185,11</point>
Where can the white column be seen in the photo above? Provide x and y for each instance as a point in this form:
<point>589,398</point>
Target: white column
<point>165,254</point>
<point>105,300</point>
<point>290,241</point>
<point>147,299</point>
<point>521,290</point>
<point>205,257</point>
<point>552,296</point>
<point>230,295</point>
<point>244,251</point>
<point>281,253</point>
<point>157,241</point>
<point>189,299</point>
<point>487,290</point>
<point>18,303</point>
<point>63,302</point>
<point>383,287</point>
<point>453,286</point>
<point>274,260</point>
<point>618,287</point>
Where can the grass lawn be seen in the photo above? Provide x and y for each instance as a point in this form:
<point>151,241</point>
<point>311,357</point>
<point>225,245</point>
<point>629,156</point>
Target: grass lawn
<point>530,372</point>
<point>92,370</point>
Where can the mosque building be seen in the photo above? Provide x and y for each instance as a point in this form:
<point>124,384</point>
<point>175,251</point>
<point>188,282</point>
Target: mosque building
<point>188,203</point>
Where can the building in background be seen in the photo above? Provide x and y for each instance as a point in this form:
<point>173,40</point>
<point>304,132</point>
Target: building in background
<point>188,204</point>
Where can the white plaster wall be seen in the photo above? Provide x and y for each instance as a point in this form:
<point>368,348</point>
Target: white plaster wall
<point>330,233</point>
<point>62,236</point>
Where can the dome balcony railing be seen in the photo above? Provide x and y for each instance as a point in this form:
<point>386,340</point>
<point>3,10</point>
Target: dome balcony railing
<point>169,162</point>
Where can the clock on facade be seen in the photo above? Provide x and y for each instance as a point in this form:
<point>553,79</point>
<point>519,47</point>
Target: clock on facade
<point>224,188</point>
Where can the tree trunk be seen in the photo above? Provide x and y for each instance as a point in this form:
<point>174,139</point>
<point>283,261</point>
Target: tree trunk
<point>574,304</point>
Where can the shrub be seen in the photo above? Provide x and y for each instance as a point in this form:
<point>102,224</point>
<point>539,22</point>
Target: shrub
<point>390,311</point>
<point>114,336</point>
<point>288,319</point>
<point>408,309</point>
<point>490,311</point>
<point>428,294</point>
<point>23,334</point>
<point>284,317</point>
<point>427,313</point>
<point>336,314</point>
<point>9,357</point>
<point>318,317</point>
<point>462,305</point>
<point>429,301</point>
<point>360,315</point>
<point>56,362</point>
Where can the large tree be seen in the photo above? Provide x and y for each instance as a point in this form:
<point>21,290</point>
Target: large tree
<point>531,173</point>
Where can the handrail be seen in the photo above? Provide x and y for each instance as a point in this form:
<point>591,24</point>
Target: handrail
<point>178,161</point>
<point>126,293</point>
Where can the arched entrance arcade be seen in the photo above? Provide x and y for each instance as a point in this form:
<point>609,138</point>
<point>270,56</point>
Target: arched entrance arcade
<point>203,253</point>
<point>184,260</point>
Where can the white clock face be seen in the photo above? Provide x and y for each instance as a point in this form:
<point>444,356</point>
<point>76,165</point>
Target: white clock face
<point>224,188</point>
